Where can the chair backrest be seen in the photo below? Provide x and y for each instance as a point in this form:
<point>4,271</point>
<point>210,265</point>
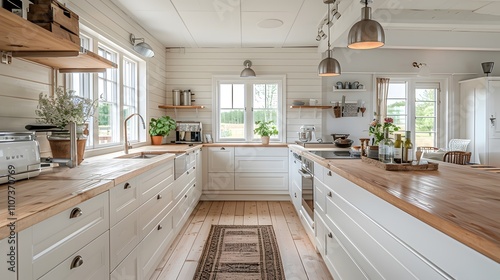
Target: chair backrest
<point>457,157</point>
<point>458,145</point>
<point>428,149</point>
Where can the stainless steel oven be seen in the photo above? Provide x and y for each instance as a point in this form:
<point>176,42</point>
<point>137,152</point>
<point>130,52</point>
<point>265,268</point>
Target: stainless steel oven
<point>307,174</point>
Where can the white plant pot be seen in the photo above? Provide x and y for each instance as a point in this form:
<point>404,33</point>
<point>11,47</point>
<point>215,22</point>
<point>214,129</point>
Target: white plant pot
<point>265,140</point>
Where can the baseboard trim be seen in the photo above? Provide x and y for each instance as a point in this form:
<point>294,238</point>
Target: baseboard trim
<point>245,197</point>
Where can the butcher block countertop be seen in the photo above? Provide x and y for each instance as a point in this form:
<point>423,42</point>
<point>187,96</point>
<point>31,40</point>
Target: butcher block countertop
<point>458,200</point>
<point>59,188</point>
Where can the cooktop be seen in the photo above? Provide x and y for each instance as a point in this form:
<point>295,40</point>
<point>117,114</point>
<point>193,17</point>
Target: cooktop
<point>333,154</point>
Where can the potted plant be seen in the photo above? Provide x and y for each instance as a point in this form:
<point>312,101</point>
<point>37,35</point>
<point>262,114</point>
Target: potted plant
<point>160,127</point>
<point>60,109</point>
<point>265,130</point>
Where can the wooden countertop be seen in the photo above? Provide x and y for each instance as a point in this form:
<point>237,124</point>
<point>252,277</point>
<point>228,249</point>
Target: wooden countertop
<point>258,145</point>
<point>57,189</point>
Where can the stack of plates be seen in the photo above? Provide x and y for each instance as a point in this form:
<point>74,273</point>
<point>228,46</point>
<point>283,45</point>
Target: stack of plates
<point>298,103</point>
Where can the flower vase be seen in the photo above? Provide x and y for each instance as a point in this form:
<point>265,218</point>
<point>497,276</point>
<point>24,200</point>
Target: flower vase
<point>372,152</point>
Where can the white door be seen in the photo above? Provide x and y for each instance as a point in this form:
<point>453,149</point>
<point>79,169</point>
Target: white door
<point>493,123</point>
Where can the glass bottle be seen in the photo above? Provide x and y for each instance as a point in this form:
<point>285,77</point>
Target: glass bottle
<point>386,149</point>
<point>398,149</point>
<point>408,148</point>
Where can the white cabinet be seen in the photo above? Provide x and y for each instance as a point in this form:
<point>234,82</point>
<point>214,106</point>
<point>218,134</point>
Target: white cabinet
<point>8,259</point>
<point>480,117</point>
<point>220,159</point>
<point>45,245</point>
<point>295,180</point>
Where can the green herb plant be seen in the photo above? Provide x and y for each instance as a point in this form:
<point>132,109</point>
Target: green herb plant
<point>161,126</point>
<point>265,128</point>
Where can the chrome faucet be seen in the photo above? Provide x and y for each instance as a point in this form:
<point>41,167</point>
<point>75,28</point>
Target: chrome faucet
<point>127,144</point>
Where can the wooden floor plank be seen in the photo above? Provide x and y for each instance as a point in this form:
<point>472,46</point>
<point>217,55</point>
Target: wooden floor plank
<point>293,221</point>
<point>239,213</point>
<point>264,217</point>
<point>227,215</point>
<point>180,251</point>
<point>250,217</point>
<point>289,255</point>
<point>188,270</point>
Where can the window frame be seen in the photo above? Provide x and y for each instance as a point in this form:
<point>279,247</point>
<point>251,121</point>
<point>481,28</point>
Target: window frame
<point>248,113</point>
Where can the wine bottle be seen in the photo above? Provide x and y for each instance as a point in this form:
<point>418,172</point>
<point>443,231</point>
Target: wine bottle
<point>408,148</point>
<point>386,149</point>
<point>398,149</point>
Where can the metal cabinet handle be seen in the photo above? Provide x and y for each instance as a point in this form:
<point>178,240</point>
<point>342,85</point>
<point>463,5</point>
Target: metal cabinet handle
<point>329,173</point>
<point>75,213</point>
<point>295,195</point>
<point>194,185</point>
<point>187,172</point>
<point>185,196</point>
<point>127,186</point>
<point>492,120</point>
<point>330,235</point>
<point>194,167</point>
<point>76,262</point>
<point>329,194</point>
<point>159,196</point>
<point>294,161</point>
<point>222,149</point>
<point>159,227</point>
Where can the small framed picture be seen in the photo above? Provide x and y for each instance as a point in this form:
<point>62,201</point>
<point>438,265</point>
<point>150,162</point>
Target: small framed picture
<point>208,138</point>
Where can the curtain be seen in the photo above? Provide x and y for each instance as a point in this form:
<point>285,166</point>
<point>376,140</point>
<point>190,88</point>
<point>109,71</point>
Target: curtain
<point>382,91</point>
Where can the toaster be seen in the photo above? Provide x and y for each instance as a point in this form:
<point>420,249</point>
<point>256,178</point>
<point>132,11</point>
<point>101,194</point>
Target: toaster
<point>19,156</point>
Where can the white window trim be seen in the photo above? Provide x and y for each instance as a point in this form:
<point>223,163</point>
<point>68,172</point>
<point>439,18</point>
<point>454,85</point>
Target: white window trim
<point>216,80</point>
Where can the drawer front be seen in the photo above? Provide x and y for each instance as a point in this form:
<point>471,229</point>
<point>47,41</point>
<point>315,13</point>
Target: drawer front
<point>58,237</point>
<point>261,164</point>
<point>93,263</point>
<point>124,236</point>
<point>151,211</point>
<point>153,247</point>
<point>182,183</point>
<point>260,152</point>
<point>261,181</point>
<point>320,233</point>
<point>123,200</point>
<point>128,268</point>
<point>220,182</point>
<point>184,207</point>
<point>152,181</point>
<point>220,159</point>
<point>320,197</point>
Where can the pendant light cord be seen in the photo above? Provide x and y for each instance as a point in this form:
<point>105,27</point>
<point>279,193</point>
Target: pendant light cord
<point>329,26</point>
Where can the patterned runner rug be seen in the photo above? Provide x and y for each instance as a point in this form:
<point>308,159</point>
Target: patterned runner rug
<point>240,252</point>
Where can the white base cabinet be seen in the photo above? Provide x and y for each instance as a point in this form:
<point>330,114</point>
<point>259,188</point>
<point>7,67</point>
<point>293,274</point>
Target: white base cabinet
<point>8,266</point>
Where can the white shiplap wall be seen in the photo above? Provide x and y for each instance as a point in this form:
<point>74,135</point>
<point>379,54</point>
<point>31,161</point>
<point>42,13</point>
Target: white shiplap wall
<point>193,69</point>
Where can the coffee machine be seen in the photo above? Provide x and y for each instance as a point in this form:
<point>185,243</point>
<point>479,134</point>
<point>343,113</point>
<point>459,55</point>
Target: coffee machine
<point>188,132</point>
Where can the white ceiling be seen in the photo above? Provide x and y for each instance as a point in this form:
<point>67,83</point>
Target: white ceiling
<point>423,24</point>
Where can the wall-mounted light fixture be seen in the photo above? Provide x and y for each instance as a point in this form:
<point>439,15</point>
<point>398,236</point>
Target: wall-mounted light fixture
<point>487,67</point>
<point>329,66</point>
<point>247,72</point>
<point>423,69</point>
<point>142,48</point>
<point>366,33</point>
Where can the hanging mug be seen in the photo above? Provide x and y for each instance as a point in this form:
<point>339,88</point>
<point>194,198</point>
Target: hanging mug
<point>347,85</point>
<point>339,85</point>
<point>355,85</point>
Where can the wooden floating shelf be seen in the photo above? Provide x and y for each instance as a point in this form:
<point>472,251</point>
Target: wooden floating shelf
<point>180,107</point>
<point>309,107</point>
<point>351,90</point>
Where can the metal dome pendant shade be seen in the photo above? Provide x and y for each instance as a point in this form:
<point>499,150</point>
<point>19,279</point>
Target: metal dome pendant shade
<point>142,48</point>
<point>329,66</point>
<point>366,33</point>
<point>247,72</point>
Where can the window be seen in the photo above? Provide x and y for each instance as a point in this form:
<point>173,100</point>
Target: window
<point>117,91</point>
<point>241,103</point>
<point>414,107</point>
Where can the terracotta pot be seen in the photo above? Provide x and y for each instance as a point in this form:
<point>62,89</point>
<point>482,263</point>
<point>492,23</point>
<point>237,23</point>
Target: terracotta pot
<point>61,148</point>
<point>265,140</point>
<point>156,140</point>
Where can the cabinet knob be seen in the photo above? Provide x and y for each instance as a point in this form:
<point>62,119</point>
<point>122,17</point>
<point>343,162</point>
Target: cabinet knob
<point>330,235</point>
<point>185,196</point>
<point>75,213</point>
<point>76,262</point>
<point>295,195</point>
<point>194,167</point>
<point>222,149</point>
<point>159,196</point>
<point>330,194</point>
<point>294,161</point>
<point>159,227</point>
<point>194,185</point>
<point>329,173</point>
<point>127,186</point>
<point>187,172</point>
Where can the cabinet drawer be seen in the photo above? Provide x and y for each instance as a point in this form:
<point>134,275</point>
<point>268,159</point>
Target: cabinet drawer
<point>220,159</point>
<point>220,182</point>
<point>123,200</point>
<point>124,236</point>
<point>153,247</point>
<point>260,152</point>
<point>90,262</point>
<point>182,183</point>
<point>261,164</point>
<point>55,239</point>
<point>320,195</point>
<point>152,181</point>
<point>261,181</point>
<point>150,212</point>
<point>185,206</point>
<point>320,233</point>
<point>4,258</point>
<point>128,268</point>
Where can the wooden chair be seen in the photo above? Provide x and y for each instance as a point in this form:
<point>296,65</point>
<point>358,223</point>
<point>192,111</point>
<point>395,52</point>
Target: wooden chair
<point>428,149</point>
<point>457,157</point>
<point>458,144</point>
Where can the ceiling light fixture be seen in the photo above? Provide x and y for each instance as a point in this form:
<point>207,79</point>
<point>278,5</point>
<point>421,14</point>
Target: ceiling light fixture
<point>487,67</point>
<point>247,72</point>
<point>366,33</point>
<point>329,66</point>
<point>142,48</point>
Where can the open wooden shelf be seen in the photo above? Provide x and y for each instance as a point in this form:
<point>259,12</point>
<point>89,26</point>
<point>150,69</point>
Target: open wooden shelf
<point>180,107</point>
<point>31,42</point>
<point>309,107</point>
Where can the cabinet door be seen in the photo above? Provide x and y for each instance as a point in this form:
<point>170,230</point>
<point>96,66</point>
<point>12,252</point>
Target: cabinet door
<point>494,110</point>
<point>128,268</point>
<point>7,256</point>
<point>220,159</point>
<point>220,182</point>
<point>261,181</point>
<point>124,236</point>
<point>199,170</point>
<point>123,200</point>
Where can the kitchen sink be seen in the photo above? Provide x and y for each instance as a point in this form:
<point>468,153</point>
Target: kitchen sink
<point>142,155</point>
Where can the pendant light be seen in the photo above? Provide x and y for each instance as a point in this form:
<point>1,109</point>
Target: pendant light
<point>247,72</point>
<point>329,66</point>
<point>366,33</point>
<point>142,48</point>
